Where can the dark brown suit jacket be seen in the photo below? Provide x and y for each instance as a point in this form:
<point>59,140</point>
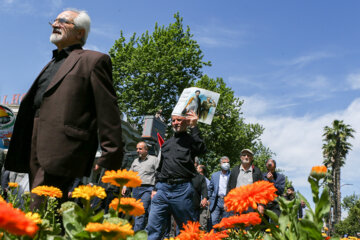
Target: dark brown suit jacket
<point>79,106</point>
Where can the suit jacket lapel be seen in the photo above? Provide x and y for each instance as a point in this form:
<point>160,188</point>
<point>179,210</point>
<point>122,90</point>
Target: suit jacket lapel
<point>65,68</point>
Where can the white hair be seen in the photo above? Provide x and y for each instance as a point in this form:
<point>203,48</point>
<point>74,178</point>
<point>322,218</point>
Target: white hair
<point>82,21</point>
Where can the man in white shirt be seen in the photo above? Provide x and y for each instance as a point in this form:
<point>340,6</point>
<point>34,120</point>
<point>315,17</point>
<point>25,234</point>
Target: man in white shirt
<point>218,184</point>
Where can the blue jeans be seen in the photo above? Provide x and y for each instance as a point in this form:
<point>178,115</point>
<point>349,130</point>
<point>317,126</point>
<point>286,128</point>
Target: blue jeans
<point>175,199</point>
<point>218,213</point>
<point>144,194</point>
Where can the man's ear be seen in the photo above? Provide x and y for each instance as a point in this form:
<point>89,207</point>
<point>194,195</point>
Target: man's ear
<point>80,34</point>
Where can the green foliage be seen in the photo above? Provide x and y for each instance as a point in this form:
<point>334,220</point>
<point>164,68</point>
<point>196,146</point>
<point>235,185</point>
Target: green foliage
<point>151,71</point>
<point>229,134</point>
<point>336,144</point>
<point>350,201</point>
<point>351,224</point>
<point>308,228</point>
<point>74,220</point>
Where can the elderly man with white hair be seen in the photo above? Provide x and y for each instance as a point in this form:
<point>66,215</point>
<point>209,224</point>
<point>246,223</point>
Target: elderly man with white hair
<point>69,109</point>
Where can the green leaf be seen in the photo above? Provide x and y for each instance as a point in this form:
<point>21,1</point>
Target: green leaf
<point>314,189</point>
<point>323,206</point>
<point>141,235</point>
<point>72,221</point>
<point>272,215</point>
<point>311,229</point>
<point>283,222</point>
<point>54,237</point>
<point>97,217</point>
<point>116,220</point>
<point>82,234</point>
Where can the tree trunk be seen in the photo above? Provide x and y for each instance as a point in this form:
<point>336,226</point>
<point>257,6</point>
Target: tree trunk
<point>338,195</point>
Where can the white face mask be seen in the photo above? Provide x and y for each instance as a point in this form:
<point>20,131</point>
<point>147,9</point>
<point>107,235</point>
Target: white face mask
<point>225,166</point>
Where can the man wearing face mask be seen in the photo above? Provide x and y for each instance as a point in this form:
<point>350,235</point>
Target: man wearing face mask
<point>217,189</point>
<point>245,174</point>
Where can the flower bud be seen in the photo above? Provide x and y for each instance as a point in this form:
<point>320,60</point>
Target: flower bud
<point>318,172</point>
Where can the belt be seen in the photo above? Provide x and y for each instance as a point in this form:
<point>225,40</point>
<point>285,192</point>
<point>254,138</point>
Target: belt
<point>222,197</point>
<point>176,180</point>
<point>147,185</point>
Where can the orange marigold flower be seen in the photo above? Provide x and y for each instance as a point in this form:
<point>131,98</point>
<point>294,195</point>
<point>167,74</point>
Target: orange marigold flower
<point>129,206</point>
<point>215,235</point>
<point>13,184</point>
<point>191,231</point>
<point>89,192</point>
<point>116,231</point>
<point>122,178</point>
<point>47,191</point>
<point>241,198</point>
<point>14,221</point>
<point>318,172</point>
<point>35,217</point>
<point>242,220</point>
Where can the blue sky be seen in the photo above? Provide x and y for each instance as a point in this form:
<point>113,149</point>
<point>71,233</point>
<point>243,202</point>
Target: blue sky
<point>295,63</point>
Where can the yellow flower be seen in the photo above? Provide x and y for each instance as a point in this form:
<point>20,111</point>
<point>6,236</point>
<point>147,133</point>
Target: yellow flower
<point>13,184</point>
<point>47,191</point>
<point>122,178</point>
<point>318,172</point>
<point>1,199</point>
<point>88,192</point>
<point>129,206</point>
<point>35,217</point>
<point>116,231</point>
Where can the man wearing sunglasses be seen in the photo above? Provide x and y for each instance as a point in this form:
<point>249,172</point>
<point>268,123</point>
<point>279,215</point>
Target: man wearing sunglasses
<point>70,107</point>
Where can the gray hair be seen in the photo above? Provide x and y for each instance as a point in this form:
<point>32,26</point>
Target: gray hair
<point>224,157</point>
<point>82,21</point>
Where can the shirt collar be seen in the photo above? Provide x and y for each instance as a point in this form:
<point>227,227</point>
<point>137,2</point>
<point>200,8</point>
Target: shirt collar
<point>145,158</point>
<point>65,52</point>
<point>249,170</point>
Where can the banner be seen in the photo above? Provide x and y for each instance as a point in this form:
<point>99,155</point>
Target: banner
<point>7,121</point>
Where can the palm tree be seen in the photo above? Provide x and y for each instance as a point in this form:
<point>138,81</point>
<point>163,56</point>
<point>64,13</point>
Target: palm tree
<point>335,149</point>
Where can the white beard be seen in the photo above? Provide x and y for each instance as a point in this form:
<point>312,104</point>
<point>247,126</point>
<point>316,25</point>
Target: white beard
<point>55,37</point>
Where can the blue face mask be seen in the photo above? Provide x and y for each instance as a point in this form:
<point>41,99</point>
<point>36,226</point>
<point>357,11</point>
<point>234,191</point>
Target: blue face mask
<point>225,166</point>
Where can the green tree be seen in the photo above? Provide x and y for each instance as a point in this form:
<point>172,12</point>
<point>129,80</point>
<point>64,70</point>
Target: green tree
<point>151,71</point>
<point>351,224</point>
<point>335,149</point>
<point>350,201</point>
<point>229,133</point>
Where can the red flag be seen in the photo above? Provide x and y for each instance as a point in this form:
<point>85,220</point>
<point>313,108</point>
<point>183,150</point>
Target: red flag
<point>160,140</point>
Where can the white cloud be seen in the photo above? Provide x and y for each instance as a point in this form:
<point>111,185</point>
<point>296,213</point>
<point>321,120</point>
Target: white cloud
<point>297,141</point>
<point>31,7</point>
<point>254,106</point>
<point>305,59</point>
<point>354,80</point>
<point>215,35</point>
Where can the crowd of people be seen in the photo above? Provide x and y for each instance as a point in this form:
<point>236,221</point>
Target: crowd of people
<point>71,108</point>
